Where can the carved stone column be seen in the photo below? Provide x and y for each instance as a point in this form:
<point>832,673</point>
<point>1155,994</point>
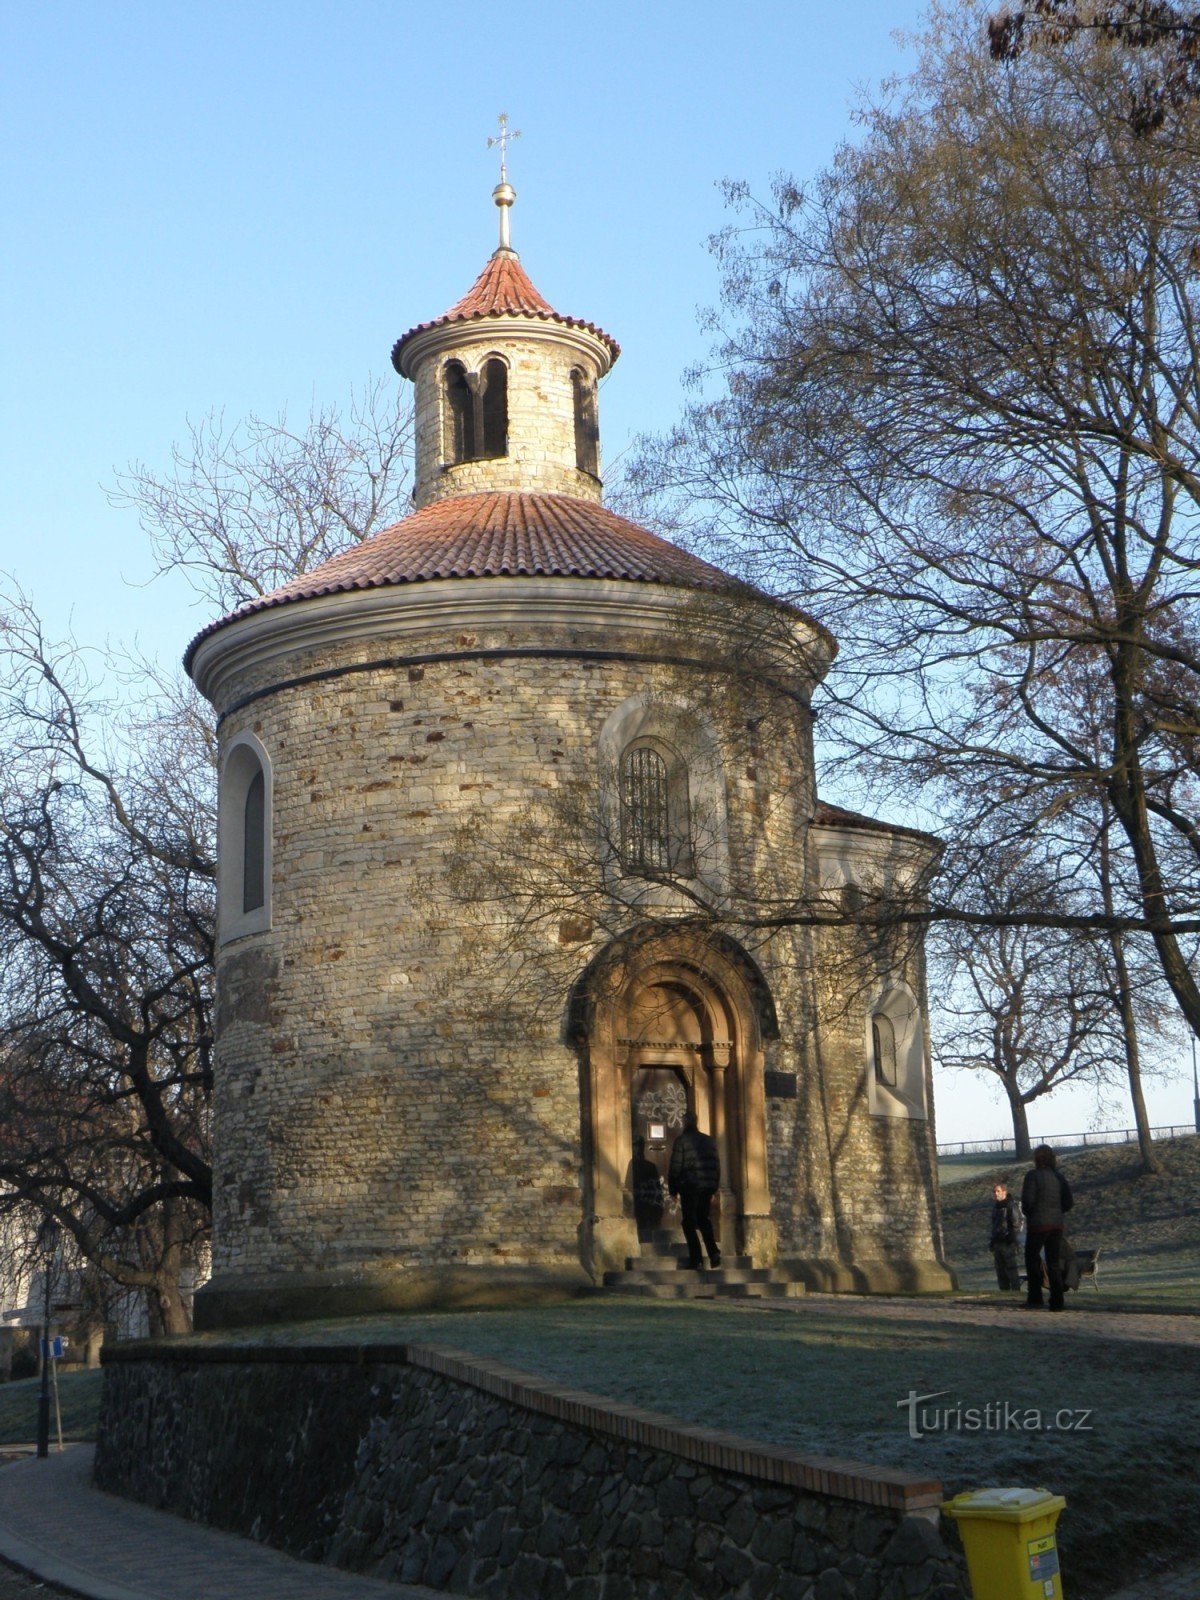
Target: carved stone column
<point>611,1235</point>
<point>726,1205</point>
<point>759,1236</point>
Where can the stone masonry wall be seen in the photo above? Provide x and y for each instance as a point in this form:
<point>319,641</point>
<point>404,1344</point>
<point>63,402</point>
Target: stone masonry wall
<point>377,1100</point>
<point>393,1089</point>
<point>428,1467</point>
<point>541,419</point>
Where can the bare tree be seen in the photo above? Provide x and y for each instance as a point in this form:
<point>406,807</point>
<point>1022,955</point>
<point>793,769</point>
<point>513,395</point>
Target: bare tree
<point>107,849</point>
<point>247,507</point>
<point>106,919</point>
<point>958,418</point>
<point>1170,32</point>
<point>1039,1007</point>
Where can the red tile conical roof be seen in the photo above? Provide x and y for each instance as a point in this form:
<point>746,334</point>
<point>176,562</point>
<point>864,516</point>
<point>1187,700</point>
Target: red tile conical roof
<point>503,289</point>
<point>502,534</point>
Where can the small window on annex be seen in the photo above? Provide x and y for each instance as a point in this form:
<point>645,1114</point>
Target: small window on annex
<point>244,841</point>
<point>587,428</point>
<point>655,820</point>
<point>883,1041</point>
<point>475,411</point>
<point>896,1054</point>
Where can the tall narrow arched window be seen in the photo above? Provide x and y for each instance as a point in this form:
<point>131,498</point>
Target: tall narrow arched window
<point>493,402</point>
<point>883,1041</point>
<point>254,844</point>
<point>655,815</point>
<point>645,811</point>
<point>460,414</point>
<point>587,428</point>
<point>897,1065</point>
<point>244,840</point>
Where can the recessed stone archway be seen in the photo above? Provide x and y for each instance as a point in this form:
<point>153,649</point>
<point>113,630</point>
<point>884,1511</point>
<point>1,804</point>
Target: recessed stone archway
<point>675,1009</point>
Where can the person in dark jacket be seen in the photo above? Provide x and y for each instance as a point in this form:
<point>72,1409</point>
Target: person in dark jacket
<point>1045,1199</point>
<point>1005,1227</point>
<point>695,1176</point>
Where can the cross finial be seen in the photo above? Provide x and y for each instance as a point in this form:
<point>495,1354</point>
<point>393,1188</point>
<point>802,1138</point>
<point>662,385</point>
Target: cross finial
<point>506,133</point>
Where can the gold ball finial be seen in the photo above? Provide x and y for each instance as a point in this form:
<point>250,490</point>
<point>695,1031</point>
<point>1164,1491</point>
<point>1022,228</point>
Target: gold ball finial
<point>504,194</point>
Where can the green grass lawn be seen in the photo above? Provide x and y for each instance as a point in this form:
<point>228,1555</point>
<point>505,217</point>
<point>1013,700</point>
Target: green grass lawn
<point>79,1396</point>
<point>832,1384</point>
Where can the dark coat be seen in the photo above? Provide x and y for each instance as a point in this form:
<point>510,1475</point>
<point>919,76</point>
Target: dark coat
<point>1004,1221</point>
<point>1045,1198</point>
<point>695,1163</point>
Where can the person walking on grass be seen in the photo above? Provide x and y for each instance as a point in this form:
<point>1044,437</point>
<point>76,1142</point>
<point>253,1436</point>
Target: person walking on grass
<point>695,1176</point>
<point>1005,1227</point>
<point>1045,1199</point>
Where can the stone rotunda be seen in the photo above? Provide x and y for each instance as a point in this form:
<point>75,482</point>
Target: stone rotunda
<point>412,1108</point>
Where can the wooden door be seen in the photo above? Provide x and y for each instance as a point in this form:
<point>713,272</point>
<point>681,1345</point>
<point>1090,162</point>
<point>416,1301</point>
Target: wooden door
<point>660,1101</point>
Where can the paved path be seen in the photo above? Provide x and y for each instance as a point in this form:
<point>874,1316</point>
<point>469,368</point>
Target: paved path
<point>53,1523</point>
<point>1141,1327</point>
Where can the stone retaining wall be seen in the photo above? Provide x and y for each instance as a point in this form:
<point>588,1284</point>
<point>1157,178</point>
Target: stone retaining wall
<point>427,1465</point>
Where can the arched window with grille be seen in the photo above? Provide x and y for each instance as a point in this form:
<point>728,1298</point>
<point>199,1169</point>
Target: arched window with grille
<point>655,825</point>
<point>244,840</point>
<point>645,826</point>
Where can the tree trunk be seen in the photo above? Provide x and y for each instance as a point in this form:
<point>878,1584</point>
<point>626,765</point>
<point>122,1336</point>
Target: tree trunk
<point>1020,1120</point>
<point>1133,1063</point>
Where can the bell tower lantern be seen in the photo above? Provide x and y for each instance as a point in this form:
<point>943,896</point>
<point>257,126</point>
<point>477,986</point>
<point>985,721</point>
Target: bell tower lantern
<point>506,386</point>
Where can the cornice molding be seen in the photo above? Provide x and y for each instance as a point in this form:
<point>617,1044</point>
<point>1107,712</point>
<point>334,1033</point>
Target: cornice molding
<point>498,331</point>
<point>533,610</point>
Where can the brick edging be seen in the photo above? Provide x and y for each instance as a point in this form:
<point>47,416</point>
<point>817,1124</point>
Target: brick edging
<point>856,1481</point>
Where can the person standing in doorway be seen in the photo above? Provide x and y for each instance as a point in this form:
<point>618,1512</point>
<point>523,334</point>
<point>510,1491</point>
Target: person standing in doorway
<point>1005,1228</point>
<point>695,1176</point>
<point>1045,1199</point>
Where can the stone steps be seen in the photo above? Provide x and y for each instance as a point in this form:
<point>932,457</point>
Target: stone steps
<point>662,1272</point>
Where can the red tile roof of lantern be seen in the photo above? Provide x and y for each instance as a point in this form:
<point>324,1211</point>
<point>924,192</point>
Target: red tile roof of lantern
<point>503,289</point>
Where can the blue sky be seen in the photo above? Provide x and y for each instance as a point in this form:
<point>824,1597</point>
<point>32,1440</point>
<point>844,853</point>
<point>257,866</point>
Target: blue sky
<point>240,208</point>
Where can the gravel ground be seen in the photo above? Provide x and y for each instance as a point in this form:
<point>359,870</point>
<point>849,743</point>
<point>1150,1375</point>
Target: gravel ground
<point>15,1585</point>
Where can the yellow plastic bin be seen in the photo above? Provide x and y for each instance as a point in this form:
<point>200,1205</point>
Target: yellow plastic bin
<point>1008,1535</point>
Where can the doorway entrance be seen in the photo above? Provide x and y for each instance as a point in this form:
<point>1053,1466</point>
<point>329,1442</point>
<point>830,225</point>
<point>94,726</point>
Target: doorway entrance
<point>674,1029</point>
<point>658,1104</point>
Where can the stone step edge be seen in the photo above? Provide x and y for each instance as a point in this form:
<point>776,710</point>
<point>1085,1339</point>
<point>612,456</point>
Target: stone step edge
<point>721,1274</point>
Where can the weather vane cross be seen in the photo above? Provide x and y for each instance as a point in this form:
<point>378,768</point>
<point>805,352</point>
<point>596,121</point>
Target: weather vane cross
<point>502,138</point>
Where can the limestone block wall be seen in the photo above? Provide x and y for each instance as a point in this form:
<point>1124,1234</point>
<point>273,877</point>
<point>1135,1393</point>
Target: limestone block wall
<point>395,1091</point>
<point>426,1466</point>
<point>884,1166</point>
<point>378,1100</point>
<point>541,412</point>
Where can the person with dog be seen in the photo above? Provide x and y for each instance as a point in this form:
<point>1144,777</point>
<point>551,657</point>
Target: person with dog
<point>1045,1199</point>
